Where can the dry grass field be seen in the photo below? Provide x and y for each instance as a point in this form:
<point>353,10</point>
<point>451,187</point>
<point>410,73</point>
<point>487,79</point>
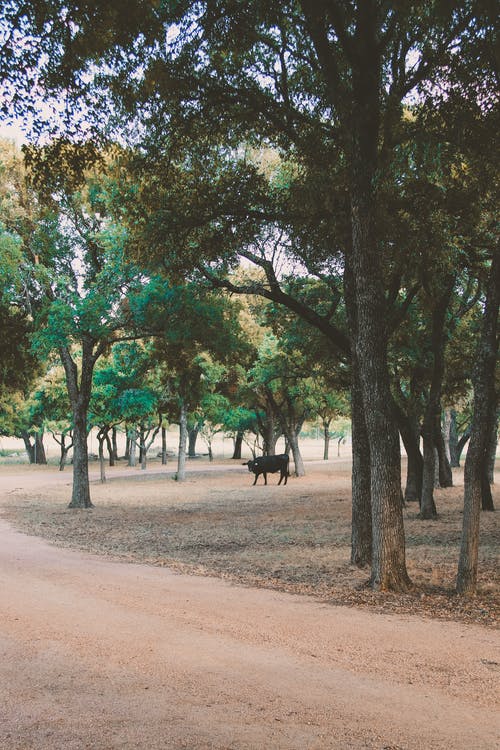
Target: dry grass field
<point>292,538</point>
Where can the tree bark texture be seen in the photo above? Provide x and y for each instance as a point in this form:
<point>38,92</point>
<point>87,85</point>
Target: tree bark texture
<point>484,412</point>
<point>361,528</point>
<point>492,451</point>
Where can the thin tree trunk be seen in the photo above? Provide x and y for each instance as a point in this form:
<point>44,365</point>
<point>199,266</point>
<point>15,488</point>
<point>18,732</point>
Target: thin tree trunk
<point>101,439</point>
<point>65,448</point>
<point>326,439</point>
<point>484,408</point>
<point>453,439</point>
<point>183,431</point>
<point>115,444</point>
<point>109,446</point>
<point>142,443</point>
<point>163,446</point>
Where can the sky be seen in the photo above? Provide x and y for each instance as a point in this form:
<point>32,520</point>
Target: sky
<point>12,133</point>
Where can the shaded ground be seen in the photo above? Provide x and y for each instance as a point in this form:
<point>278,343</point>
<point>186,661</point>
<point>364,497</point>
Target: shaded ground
<point>294,538</point>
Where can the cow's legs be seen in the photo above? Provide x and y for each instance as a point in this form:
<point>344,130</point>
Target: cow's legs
<point>255,480</point>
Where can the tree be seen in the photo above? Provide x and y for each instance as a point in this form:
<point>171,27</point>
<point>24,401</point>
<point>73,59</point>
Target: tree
<point>326,80</point>
<point>77,284</point>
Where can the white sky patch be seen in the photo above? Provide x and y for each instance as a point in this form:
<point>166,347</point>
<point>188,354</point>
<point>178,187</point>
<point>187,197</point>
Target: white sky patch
<point>13,133</point>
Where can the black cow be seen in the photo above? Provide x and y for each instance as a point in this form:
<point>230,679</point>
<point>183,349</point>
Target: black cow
<point>269,465</point>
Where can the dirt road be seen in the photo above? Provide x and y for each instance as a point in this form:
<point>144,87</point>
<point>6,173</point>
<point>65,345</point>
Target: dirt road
<point>104,655</point>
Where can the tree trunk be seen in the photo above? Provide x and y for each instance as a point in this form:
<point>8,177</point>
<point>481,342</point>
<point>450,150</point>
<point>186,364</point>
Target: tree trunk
<point>388,560</point>
<point>414,476</point>
<point>293,441</point>
<point>238,443</point>
<point>132,450</point>
<point>143,449</point>
<point>109,446</point>
<point>81,486</point>
<point>462,442</point>
<point>486,494</point>
<point>163,446</point>
<point>453,440</point>
<point>79,396</point>
<point>444,466</point>
<point>39,449</point>
<point>65,448</point>
<point>361,530</point>
<point>492,450</point>
<point>28,446</point>
<point>269,434</point>
<point>101,439</point>
<point>489,466</point>
<point>431,427</point>
<point>429,475</point>
<point>193,436</point>
<point>409,429</point>
<point>361,525</point>
<point>181,458</point>
<point>484,410</point>
<point>115,444</point>
<point>326,439</point>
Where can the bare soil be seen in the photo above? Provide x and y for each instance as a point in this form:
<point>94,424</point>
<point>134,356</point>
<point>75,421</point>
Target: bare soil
<point>291,650</point>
